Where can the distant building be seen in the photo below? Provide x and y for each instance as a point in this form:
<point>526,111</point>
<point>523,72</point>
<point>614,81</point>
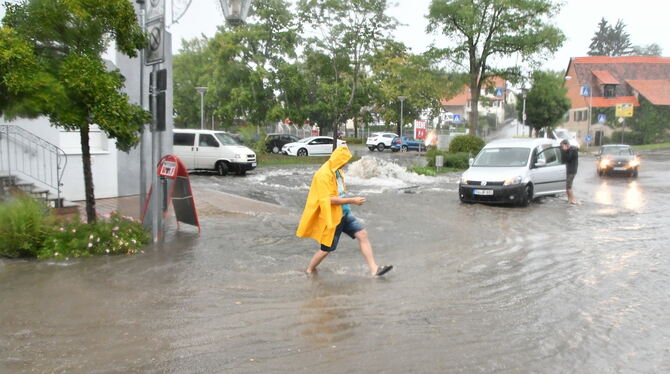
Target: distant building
<point>612,81</point>
<point>492,100</point>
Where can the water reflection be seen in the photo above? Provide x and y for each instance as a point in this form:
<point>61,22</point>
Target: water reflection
<point>611,193</point>
<point>633,198</point>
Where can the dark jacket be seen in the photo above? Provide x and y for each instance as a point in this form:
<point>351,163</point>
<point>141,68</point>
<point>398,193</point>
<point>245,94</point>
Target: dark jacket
<point>571,160</point>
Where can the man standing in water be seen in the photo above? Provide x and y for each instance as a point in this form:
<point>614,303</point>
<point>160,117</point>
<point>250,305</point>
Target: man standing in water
<point>327,214</point>
<point>571,159</point>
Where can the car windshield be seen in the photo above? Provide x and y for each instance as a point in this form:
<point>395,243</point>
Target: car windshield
<point>226,139</point>
<point>617,151</point>
<point>305,140</point>
<point>502,157</point>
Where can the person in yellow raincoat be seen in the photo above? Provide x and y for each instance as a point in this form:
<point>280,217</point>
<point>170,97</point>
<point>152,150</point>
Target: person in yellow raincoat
<point>327,213</point>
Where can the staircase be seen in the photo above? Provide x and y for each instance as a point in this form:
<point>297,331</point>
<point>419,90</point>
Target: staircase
<point>32,165</point>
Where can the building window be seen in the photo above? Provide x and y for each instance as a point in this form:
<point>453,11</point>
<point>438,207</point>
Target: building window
<point>610,90</point>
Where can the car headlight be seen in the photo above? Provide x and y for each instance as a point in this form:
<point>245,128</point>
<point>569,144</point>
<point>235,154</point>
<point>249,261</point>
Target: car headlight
<point>633,163</point>
<point>464,180</point>
<point>604,163</point>
<point>511,181</point>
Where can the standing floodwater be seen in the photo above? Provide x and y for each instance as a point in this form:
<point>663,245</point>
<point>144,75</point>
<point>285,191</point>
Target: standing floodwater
<point>551,288</point>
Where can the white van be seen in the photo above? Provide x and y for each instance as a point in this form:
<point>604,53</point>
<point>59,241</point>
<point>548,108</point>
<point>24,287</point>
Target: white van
<point>212,150</point>
<point>514,171</point>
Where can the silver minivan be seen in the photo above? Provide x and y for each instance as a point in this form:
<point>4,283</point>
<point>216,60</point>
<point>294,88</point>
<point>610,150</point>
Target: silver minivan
<point>514,171</point>
<point>212,150</point>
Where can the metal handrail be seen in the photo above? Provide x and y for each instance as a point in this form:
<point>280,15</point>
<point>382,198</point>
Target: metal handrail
<point>22,152</point>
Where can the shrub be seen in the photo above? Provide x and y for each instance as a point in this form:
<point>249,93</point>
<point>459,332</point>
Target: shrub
<point>466,143</point>
<point>351,140</point>
<point>629,137</point>
<point>22,226</point>
<point>451,160</point>
<point>116,235</point>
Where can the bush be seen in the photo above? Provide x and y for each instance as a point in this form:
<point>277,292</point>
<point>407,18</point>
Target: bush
<point>466,143</point>
<point>629,137</point>
<point>451,160</point>
<point>22,226</point>
<point>116,235</point>
<point>351,140</point>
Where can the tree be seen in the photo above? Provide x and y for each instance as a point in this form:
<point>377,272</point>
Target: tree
<point>348,31</point>
<point>652,49</point>
<point>546,102</point>
<point>610,41</point>
<point>482,30</point>
<point>53,67</point>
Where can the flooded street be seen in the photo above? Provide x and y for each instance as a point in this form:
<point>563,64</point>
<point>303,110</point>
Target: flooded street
<point>550,288</point>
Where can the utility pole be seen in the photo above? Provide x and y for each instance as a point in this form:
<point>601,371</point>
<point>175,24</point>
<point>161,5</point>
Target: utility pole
<point>402,101</point>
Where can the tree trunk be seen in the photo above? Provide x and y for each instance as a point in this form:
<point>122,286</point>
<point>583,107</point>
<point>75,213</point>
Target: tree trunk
<point>88,176</point>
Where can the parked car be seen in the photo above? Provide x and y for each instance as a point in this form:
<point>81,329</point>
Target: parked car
<point>312,146</point>
<point>514,171</point>
<point>212,150</point>
<point>617,158</point>
<point>560,134</point>
<point>380,140</point>
<point>407,143</point>
<point>275,142</point>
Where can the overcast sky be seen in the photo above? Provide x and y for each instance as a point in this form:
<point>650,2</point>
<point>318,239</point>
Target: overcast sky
<point>646,20</point>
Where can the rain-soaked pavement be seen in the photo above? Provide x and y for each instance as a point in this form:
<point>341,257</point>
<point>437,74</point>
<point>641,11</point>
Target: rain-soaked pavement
<point>550,288</point>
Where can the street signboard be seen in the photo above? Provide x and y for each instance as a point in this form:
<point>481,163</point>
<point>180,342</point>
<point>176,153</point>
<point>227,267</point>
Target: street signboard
<point>457,118</point>
<point>588,138</point>
<point>155,9</point>
<point>585,91</point>
<point>602,118</point>
<point>155,51</point>
<point>419,129</point>
<point>499,92</point>
<point>624,110</point>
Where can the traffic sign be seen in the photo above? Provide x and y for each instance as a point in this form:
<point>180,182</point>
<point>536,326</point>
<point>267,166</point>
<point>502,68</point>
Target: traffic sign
<point>499,92</point>
<point>155,51</point>
<point>602,118</point>
<point>624,110</point>
<point>155,9</point>
<point>588,138</point>
<point>585,91</point>
<point>457,118</point>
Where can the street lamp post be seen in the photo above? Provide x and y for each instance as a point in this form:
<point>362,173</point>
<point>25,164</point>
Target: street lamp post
<point>402,101</point>
<point>202,91</point>
<point>523,114</point>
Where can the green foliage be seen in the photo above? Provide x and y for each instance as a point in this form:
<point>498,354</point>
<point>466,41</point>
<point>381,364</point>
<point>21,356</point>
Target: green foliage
<point>629,137</point>
<point>492,29</point>
<point>546,102</point>
<point>610,40</point>
<point>652,49</point>
<point>351,140</point>
<point>466,143</point>
<point>457,161</point>
<point>22,226</point>
<point>116,235</point>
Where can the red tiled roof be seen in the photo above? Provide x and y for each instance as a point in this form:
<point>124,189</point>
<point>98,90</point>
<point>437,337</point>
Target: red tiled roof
<point>458,100</point>
<point>621,60</point>
<point>606,102</point>
<point>656,91</point>
<point>605,77</point>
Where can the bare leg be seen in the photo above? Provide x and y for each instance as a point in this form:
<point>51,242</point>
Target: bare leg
<point>571,197</point>
<point>316,260</point>
<point>366,250</point>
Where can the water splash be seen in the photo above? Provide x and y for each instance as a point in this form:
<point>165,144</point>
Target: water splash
<point>384,175</point>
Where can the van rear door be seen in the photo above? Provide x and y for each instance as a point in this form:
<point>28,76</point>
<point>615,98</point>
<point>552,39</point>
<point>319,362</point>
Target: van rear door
<point>184,147</point>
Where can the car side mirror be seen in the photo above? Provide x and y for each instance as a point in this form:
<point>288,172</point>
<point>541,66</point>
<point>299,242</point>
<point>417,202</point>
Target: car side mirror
<point>540,163</point>
<point>471,161</point>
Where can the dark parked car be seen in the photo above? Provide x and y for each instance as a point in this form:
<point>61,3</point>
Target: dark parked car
<point>617,158</point>
<point>406,143</point>
<point>275,142</point>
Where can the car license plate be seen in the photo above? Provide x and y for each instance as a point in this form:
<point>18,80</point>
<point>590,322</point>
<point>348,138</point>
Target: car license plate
<point>483,192</point>
<point>253,164</point>
<point>619,169</point>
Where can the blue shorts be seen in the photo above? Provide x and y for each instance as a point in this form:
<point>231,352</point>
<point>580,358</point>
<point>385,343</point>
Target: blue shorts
<point>349,225</point>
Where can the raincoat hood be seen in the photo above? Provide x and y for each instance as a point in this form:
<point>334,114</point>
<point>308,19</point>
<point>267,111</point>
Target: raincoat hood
<point>320,218</point>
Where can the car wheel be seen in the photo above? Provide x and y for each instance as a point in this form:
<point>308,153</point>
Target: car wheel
<point>403,148</point>
<point>527,196</point>
<point>241,171</point>
<point>600,173</point>
<point>275,149</point>
<point>372,149</point>
<point>221,168</point>
<point>302,152</point>
<point>380,147</point>
<point>634,173</point>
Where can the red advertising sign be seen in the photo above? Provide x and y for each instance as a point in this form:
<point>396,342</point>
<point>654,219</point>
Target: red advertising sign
<point>420,129</point>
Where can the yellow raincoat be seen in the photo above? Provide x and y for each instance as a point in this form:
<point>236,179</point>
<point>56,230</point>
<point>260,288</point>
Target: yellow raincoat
<point>319,218</point>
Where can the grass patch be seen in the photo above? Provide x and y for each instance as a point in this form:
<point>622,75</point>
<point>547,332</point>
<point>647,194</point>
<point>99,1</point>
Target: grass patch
<point>431,171</point>
<point>270,159</point>
<point>647,147</point>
